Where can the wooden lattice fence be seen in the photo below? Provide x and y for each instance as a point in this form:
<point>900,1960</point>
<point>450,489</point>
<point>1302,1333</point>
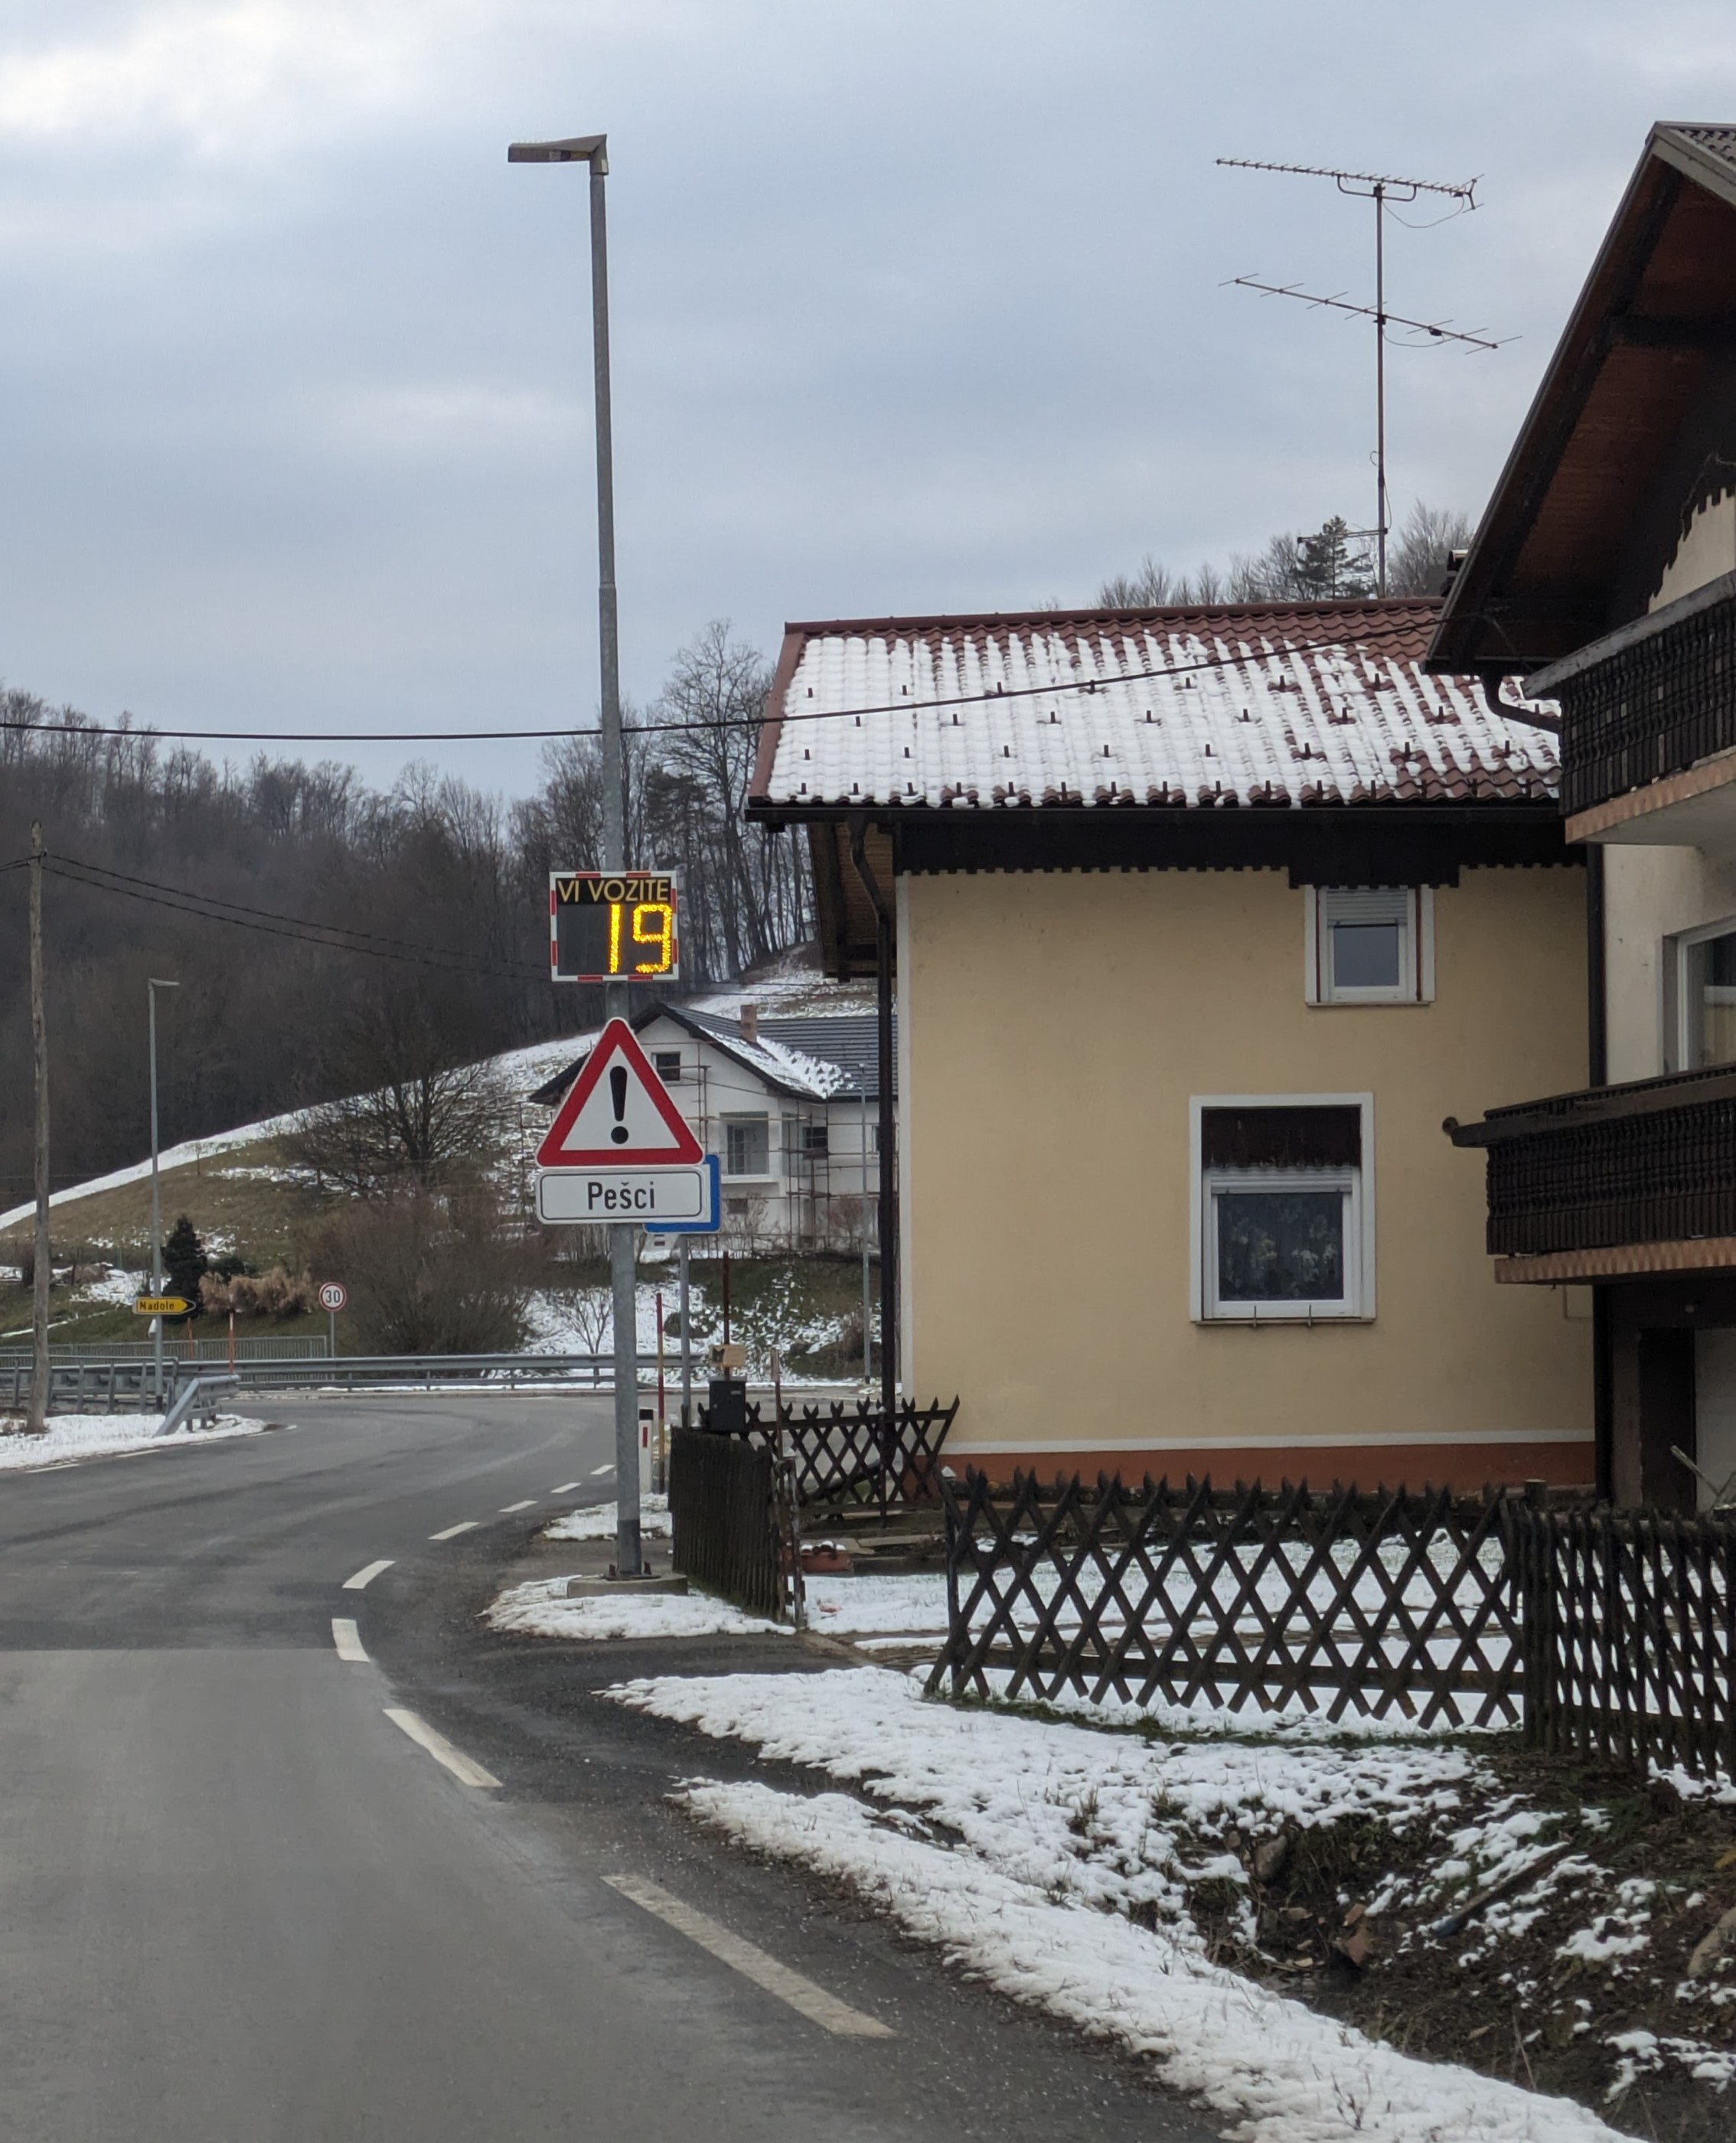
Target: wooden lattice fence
<point>1357,1603</point>
<point>1629,1644</point>
<point>724,1515</point>
<point>842,1454</point>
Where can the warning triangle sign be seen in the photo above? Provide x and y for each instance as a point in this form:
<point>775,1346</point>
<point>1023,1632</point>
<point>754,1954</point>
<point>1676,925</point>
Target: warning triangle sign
<point>618,1113</point>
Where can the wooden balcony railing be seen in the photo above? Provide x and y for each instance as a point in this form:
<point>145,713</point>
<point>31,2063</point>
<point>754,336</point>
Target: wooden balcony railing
<point>1649,701</point>
<point>1652,1161</point>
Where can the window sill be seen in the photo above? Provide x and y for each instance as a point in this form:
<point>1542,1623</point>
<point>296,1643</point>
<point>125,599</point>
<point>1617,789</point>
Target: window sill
<point>1320,1321</point>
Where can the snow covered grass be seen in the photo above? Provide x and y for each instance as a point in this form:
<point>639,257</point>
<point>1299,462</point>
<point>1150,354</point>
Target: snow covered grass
<point>540,1609</point>
<point>598,1521</point>
<point>1058,1861</point>
<point>71,1436</point>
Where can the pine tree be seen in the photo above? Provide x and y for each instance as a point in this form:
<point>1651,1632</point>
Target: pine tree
<point>185,1262</point>
<point>1333,564</point>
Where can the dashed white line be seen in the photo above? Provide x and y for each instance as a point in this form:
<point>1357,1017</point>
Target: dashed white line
<point>365,1577</point>
<point>598,1471</point>
<point>347,1639</point>
<point>440,1749</point>
<point>507,1509</point>
<point>802,1995</point>
<point>452,1533</point>
<point>567,1487</point>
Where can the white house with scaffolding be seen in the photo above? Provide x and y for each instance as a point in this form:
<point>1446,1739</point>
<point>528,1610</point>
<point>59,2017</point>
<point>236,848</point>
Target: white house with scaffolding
<point>789,1105</point>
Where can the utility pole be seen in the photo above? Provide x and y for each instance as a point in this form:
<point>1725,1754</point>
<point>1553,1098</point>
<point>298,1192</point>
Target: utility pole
<point>37,1420</point>
<point>593,149</point>
<point>152,987</point>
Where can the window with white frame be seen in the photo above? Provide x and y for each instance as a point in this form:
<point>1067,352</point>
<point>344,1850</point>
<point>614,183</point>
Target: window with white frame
<point>1283,1223</point>
<point>668,1063</point>
<point>747,1145</point>
<point>1705,992</point>
<point>1370,944</point>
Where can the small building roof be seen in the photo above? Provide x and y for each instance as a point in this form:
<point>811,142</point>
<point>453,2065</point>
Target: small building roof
<point>1292,705</point>
<point>822,1058</point>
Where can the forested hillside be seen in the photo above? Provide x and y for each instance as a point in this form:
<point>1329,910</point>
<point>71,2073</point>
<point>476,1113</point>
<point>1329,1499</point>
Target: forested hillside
<point>391,932</point>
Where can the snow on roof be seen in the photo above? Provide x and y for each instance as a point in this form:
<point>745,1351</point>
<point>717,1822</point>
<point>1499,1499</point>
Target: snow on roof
<point>1288,704</point>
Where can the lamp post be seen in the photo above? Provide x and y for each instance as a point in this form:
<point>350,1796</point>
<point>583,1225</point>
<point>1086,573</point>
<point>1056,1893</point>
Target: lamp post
<point>593,149</point>
<point>151,987</point>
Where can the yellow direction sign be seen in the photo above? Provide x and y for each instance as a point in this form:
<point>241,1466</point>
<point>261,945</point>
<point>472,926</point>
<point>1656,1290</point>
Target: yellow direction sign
<point>161,1305</point>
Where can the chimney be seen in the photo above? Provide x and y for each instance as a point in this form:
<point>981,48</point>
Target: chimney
<point>750,1022</point>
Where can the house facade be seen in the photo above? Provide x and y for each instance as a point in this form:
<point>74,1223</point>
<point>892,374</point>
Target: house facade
<point>1604,573</point>
<point>789,1104</point>
<point>1203,918</point>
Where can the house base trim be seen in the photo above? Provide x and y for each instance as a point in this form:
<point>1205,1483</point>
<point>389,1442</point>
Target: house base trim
<point>1565,1457</point>
<point>1620,1261</point>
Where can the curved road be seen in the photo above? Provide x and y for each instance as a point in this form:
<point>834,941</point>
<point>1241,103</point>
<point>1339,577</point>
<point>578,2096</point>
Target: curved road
<point>250,1889</point>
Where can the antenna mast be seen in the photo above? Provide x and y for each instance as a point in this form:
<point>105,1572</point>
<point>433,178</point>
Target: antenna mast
<point>1380,189</point>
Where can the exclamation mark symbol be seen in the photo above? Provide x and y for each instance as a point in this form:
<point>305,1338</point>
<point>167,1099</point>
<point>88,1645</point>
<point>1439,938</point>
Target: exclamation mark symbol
<point>618,1090</point>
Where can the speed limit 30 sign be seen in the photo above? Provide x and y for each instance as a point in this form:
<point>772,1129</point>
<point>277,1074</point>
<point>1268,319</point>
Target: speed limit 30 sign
<point>332,1296</point>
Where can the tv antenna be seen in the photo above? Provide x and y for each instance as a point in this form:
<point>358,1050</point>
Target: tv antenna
<point>1380,189</point>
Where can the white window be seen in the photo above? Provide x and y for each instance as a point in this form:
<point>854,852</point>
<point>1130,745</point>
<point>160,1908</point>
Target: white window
<point>668,1063</point>
<point>1284,1219</point>
<point>747,1145</point>
<point>1705,992</point>
<point>1370,944</point>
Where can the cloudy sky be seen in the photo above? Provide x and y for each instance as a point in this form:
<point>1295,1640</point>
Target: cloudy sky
<point>918,307</point>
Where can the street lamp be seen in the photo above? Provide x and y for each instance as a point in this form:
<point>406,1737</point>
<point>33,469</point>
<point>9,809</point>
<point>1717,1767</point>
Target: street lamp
<point>593,149</point>
<point>151,987</point>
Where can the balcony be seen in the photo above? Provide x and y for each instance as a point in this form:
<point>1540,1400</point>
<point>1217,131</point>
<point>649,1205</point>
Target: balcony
<point>1648,726</point>
<point>1614,1181</point>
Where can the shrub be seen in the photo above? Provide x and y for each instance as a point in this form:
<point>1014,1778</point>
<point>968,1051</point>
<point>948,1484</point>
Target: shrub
<point>430,1272</point>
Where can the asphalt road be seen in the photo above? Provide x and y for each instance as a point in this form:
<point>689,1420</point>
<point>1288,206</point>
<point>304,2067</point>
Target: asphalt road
<point>239,1901</point>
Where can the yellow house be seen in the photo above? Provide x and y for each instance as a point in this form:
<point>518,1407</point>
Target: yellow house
<point>1205,919</point>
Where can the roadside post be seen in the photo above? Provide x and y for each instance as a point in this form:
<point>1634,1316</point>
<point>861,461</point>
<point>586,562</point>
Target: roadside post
<point>620,1154</point>
<point>686,1346</point>
<point>151,987</point>
<point>333,1296</point>
<point>660,1469</point>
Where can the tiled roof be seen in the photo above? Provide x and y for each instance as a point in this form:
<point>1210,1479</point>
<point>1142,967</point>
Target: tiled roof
<point>822,1058</point>
<point>1273,703</point>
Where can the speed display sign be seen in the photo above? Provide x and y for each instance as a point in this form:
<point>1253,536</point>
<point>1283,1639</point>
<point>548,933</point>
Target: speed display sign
<point>613,927</point>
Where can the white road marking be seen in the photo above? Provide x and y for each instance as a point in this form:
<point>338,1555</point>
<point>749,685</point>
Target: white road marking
<point>507,1509</point>
<point>597,1472</point>
<point>802,1995</point>
<point>440,1749</point>
<point>567,1487</point>
<point>348,1638</point>
<point>365,1577</point>
<point>452,1533</point>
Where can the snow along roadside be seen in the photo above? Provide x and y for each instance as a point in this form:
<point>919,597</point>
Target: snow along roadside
<point>71,1436</point>
<point>1056,1826</point>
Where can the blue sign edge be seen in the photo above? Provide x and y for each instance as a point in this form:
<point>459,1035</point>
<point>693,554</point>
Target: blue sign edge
<point>714,1227</point>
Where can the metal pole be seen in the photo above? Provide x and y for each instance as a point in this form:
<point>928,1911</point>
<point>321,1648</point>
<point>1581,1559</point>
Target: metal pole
<point>888,1213</point>
<point>156,1210</point>
<point>623,1269</point>
<point>37,1420</point>
<point>1380,390</point>
<point>867,1305</point>
<point>686,1347</point>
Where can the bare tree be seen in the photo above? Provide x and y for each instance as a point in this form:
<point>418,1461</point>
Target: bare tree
<point>1417,562</point>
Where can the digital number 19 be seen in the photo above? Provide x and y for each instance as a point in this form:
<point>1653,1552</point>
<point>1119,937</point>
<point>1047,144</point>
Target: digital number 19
<point>661,917</point>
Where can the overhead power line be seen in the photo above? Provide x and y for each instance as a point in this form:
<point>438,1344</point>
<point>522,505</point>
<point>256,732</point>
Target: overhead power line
<point>900,706</point>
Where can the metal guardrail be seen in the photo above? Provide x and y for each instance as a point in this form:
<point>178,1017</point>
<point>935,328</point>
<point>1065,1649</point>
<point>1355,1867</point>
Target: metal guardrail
<point>354,1371</point>
<point>196,1400</point>
<point>260,1346</point>
<point>116,1387</point>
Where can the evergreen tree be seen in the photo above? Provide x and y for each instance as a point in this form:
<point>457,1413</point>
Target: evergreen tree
<point>1333,564</point>
<point>185,1262</point>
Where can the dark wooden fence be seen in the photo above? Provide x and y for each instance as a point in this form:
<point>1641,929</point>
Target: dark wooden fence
<point>1365,1603</point>
<point>844,1454</point>
<point>724,1510</point>
<point>1629,1635</point>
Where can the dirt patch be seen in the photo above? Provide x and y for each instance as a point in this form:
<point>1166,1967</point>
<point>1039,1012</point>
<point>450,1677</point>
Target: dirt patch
<point>1603,1968</point>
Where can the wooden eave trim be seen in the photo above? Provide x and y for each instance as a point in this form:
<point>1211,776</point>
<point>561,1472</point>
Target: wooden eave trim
<point>1458,641</point>
<point>1656,796</point>
<point>771,729</point>
<point>1620,1261</point>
